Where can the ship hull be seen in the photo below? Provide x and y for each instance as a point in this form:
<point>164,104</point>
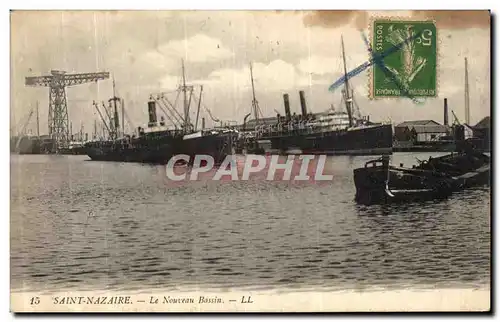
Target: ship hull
<point>217,146</point>
<point>159,154</point>
<point>372,140</point>
<point>161,151</point>
<point>78,150</point>
<point>26,145</point>
<point>32,146</point>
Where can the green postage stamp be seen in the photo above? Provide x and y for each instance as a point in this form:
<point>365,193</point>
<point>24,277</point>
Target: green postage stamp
<point>409,70</point>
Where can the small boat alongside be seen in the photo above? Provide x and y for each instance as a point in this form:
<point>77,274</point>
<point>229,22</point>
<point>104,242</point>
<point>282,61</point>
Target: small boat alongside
<point>435,178</point>
<point>74,148</point>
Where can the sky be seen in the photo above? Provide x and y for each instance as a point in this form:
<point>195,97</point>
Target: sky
<point>289,50</point>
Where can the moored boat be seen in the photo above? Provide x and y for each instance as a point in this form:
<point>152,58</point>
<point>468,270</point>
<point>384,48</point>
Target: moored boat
<point>159,144</point>
<point>74,148</point>
<point>435,178</point>
<point>380,182</point>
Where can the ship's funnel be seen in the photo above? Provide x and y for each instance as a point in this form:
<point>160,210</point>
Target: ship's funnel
<point>445,120</point>
<point>202,123</point>
<point>117,121</point>
<point>152,113</point>
<point>303,103</point>
<point>286,101</point>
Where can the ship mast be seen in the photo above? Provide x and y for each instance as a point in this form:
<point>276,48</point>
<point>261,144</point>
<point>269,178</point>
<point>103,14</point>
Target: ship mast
<point>117,125</point>
<point>37,121</point>
<point>255,103</point>
<point>467,100</point>
<point>123,117</point>
<point>186,112</point>
<point>347,92</point>
<point>198,111</point>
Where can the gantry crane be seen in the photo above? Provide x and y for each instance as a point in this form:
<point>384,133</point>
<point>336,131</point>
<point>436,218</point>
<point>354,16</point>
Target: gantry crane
<point>58,107</point>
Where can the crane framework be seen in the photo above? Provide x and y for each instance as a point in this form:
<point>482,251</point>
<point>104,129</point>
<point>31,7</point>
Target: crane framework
<point>58,107</point>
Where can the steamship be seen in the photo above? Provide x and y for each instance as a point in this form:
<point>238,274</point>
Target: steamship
<point>158,143</point>
<point>332,132</point>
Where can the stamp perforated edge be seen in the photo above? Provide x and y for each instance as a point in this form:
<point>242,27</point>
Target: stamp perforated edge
<point>371,85</point>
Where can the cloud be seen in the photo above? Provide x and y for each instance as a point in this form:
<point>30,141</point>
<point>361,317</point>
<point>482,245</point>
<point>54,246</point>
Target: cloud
<point>170,82</point>
<point>167,57</point>
<point>157,59</point>
<point>319,65</point>
<point>278,75</point>
<point>197,49</point>
<point>456,19</point>
<point>330,65</point>
<point>336,18</point>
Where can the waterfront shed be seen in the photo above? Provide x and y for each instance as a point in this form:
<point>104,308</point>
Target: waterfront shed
<point>482,130</point>
<point>420,131</point>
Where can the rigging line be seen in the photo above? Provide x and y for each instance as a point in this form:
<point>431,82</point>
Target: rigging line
<point>356,110</point>
<point>102,118</point>
<point>172,117</point>
<point>189,104</point>
<point>106,110</point>
<point>259,111</point>
<point>198,109</point>
<point>169,104</point>
<point>127,118</point>
<point>175,114</point>
<point>173,106</point>
<point>23,119</point>
<point>209,113</point>
<point>157,100</point>
<point>206,109</point>
<point>176,99</point>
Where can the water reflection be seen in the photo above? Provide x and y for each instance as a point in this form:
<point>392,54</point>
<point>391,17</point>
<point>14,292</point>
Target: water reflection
<point>146,233</point>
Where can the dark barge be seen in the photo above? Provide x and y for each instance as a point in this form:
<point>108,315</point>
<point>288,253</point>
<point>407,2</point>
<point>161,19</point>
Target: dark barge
<point>435,178</point>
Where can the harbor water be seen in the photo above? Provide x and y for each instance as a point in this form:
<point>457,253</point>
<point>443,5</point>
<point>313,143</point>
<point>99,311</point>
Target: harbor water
<point>79,224</point>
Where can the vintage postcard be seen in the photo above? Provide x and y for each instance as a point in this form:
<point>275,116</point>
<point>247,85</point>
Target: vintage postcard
<point>250,161</point>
